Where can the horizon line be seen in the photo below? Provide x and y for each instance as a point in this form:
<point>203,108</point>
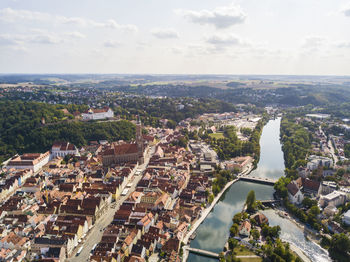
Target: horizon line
<point>179,74</point>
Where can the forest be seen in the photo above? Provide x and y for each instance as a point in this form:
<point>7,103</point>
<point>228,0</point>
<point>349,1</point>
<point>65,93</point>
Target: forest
<point>22,130</point>
<point>296,142</point>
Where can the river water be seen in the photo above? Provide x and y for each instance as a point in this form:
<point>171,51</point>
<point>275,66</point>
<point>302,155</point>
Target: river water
<point>214,231</point>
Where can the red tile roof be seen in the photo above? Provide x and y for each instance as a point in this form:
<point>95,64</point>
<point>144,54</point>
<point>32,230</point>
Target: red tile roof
<point>292,188</point>
<point>125,149</point>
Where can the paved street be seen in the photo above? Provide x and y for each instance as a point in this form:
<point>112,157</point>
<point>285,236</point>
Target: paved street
<point>95,234</point>
<point>331,148</point>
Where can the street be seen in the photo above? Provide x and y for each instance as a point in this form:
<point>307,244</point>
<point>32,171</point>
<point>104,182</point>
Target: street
<point>94,236</point>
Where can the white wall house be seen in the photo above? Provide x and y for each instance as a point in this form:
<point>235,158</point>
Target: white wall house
<point>61,149</point>
<point>33,161</point>
<point>96,114</point>
<point>315,161</point>
<point>244,228</point>
<point>336,198</point>
<point>294,194</point>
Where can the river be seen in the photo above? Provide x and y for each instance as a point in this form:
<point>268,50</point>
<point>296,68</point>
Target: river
<point>214,231</point>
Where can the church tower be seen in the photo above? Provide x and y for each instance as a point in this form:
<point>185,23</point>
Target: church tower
<point>139,139</point>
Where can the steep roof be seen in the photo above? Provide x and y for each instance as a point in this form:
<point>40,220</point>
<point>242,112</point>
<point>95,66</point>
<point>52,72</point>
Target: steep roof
<point>125,149</point>
<point>312,185</point>
<point>97,110</point>
<point>245,225</point>
<point>292,188</point>
<point>261,219</point>
<point>63,146</point>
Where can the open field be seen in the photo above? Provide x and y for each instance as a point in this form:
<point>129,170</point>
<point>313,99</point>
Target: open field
<point>245,255</point>
<point>251,259</point>
<point>217,135</point>
<point>243,251</point>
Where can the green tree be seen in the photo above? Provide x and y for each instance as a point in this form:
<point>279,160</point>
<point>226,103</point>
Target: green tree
<point>251,201</point>
<point>237,218</point>
<point>210,198</point>
<point>308,202</point>
<point>340,247</point>
<point>314,211</point>
<point>234,229</point>
<point>232,243</point>
<point>255,234</point>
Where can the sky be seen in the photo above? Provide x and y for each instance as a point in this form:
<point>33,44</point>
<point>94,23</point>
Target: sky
<point>295,37</point>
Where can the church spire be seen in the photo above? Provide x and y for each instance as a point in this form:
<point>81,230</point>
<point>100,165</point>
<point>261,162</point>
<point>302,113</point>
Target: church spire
<point>139,139</point>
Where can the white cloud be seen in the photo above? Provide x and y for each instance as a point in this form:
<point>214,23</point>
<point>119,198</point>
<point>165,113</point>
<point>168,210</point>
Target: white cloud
<point>197,50</point>
<point>225,40</point>
<point>10,15</point>
<point>342,44</point>
<point>19,48</point>
<point>47,39</point>
<point>164,33</point>
<point>76,21</point>
<point>13,15</point>
<point>111,23</point>
<point>111,43</point>
<point>75,35</point>
<point>38,36</point>
<point>313,42</point>
<point>220,17</point>
<point>7,40</point>
<point>176,50</point>
<point>346,10</point>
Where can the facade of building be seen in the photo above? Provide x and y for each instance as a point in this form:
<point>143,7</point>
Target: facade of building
<point>294,193</point>
<point>346,218</point>
<point>97,114</point>
<point>61,149</point>
<point>315,161</point>
<point>238,163</point>
<point>336,198</point>
<point>33,161</point>
<point>124,153</point>
<point>244,228</point>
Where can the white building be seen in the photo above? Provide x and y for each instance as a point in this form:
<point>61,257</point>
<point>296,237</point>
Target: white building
<point>336,198</point>
<point>244,228</point>
<point>96,114</point>
<point>346,218</point>
<point>294,194</point>
<point>315,161</point>
<point>180,106</point>
<point>327,187</point>
<point>32,161</point>
<point>61,149</point>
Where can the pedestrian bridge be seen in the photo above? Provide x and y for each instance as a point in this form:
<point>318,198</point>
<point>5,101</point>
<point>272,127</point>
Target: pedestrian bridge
<point>270,201</point>
<point>203,252</point>
<point>260,180</point>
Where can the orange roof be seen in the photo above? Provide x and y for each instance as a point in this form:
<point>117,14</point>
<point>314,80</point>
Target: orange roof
<point>128,240</point>
<point>125,149</point>
<point>97,110</point>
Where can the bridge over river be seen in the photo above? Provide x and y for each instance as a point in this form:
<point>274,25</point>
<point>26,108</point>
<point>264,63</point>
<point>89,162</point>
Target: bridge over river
<point>202,252</point>
<point>260,180</point>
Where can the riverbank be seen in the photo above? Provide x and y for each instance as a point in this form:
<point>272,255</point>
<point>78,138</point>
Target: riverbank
<point>206,212</point>
<point>304,241</point>
<point>308,232</point>
<point>299,252</point>
<point>293,247</point>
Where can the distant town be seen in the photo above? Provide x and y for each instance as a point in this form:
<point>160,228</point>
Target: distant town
<point>154,172</point>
